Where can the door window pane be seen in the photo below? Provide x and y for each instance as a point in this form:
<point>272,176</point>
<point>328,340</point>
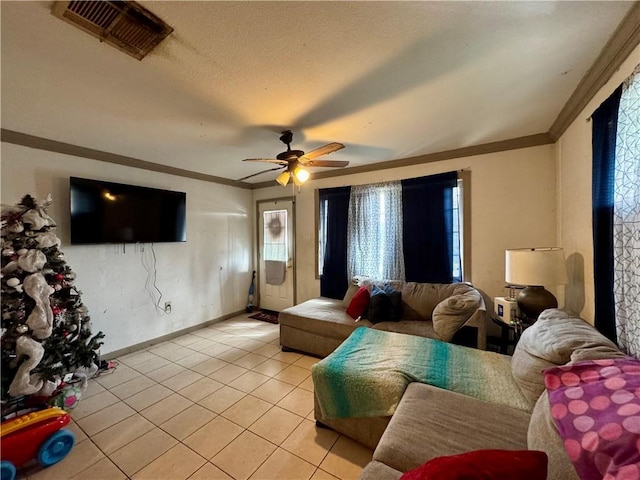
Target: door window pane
<point>275,235</point>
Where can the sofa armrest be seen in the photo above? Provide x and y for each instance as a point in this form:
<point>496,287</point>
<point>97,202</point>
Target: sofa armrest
<point>479,321</point>
<point>464,307</point>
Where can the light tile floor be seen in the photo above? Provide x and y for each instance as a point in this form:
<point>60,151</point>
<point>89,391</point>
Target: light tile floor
<point>223,402</point>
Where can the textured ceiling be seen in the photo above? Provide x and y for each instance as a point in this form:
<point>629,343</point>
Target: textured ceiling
<point>390,80</point>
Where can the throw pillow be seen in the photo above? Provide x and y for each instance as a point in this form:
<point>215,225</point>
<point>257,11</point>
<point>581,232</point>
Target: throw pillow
<point>595,406</point>
<point>379,305</point>
<point>395,303</point>
<point>348,296</point>
<point>359,303</point>
<point>453,312</point>
<point>483,465</point>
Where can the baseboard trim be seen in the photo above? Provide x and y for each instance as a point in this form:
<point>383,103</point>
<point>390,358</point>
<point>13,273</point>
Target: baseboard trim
<point>168,336</point>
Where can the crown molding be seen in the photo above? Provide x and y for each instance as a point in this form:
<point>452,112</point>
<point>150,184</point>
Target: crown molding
<point>623,41</point>
<point>492,147</point>
<point>40,143</point>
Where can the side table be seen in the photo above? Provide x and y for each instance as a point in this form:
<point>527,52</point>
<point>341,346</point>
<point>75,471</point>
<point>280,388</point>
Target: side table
<point>510,333</point>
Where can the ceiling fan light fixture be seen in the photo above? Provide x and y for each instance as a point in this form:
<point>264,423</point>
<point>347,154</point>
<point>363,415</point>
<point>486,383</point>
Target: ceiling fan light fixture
<point>283,178</point>
<point>301,175</point>
<point>295,162</point>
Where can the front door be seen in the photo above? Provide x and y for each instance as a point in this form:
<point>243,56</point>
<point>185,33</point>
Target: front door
<point>276,262</point>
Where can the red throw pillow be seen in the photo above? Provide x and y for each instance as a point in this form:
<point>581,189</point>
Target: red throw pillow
<point>359,303</point>
<point>484,465</point>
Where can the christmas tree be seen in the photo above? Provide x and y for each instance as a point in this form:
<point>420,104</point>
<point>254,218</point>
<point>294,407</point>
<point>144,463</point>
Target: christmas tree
<point>46,330</point>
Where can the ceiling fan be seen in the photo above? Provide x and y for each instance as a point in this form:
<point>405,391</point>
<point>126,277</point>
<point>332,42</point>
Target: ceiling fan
<point>295,162</point>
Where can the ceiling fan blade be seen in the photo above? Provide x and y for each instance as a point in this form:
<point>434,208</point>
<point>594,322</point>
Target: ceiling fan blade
<point>259,173</point>
<point>326,163</point>
<point>267,160</point>
<point>329,148</point>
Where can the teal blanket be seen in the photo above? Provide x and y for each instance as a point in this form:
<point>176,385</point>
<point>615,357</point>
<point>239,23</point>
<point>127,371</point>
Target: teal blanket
<point>367,375</point>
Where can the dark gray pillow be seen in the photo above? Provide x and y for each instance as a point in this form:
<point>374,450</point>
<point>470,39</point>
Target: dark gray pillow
<point>395,303</point>
<point>379,305</point>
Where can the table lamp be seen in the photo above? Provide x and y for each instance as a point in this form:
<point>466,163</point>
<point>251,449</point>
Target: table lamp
<point>534,268</point>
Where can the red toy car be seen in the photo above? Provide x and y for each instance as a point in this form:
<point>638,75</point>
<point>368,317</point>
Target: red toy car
<point>36,435</point>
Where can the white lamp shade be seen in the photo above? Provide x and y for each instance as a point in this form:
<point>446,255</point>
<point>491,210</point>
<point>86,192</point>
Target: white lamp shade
<point>535,266</point>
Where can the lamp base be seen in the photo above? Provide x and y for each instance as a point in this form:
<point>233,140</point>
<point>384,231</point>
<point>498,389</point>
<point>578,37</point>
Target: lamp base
<point>532,301</point>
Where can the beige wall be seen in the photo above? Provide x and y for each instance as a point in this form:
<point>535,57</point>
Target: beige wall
<point>575,233</point>
<point>513,204</point>
<point>204,278</point>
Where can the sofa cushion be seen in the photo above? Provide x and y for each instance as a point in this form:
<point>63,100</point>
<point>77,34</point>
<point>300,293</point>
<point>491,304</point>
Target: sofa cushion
<point>453,312</point>
<point>379,471</point>
<point>419,300</point>
<point>555,339</point>
<point>430,422</point>
<point>483,465</point>
<point>322,316</point>
<point>359,303</point>
<point>421,329</point>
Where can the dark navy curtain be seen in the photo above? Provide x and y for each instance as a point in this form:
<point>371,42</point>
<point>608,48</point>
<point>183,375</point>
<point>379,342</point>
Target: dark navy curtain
<point>333,281</point>
<point>427,206</point>
<point>605,125</point>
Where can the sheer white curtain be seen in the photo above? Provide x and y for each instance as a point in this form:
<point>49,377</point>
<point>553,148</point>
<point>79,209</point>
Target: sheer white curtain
<point>626,213</point>
<point>374,236</point>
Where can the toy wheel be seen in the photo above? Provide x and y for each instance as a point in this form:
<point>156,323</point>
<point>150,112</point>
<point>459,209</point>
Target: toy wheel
<point>56,447</point>
<point>7,470</point>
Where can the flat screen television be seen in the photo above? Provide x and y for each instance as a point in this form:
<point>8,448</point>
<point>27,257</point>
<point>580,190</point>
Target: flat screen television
<point>106,212</point>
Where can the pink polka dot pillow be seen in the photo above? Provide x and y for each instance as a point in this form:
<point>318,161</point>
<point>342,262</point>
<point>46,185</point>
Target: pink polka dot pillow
<point>596,407</point>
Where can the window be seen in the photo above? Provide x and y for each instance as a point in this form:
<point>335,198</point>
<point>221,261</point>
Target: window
<point>374,235</point>
<point>456,270</point>
<point>322,232</point>
<point>275,235</point>
<point>427,236</point>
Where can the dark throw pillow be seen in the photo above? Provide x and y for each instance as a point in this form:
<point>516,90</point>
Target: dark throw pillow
<point>379,306</point>
<point>395,303</point>
<point>484,465</point>
<point>359,303</point>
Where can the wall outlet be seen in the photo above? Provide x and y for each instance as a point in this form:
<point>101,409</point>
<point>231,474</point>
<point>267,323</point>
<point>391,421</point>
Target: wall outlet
<point>167,307</point>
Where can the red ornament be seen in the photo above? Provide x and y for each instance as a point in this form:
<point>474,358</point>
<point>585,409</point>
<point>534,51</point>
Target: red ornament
<point>59,277</point>
<point>55,310</point>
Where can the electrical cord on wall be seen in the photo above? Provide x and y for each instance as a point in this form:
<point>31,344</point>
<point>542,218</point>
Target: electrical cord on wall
<point>152,274</point>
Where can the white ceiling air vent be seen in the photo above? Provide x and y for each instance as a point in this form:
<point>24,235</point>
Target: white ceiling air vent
<point>125,25</point>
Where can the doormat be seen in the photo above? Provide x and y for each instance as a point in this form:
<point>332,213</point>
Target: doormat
<point>266,316</point>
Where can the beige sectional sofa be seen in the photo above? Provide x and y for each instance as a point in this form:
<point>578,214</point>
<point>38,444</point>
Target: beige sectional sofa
<point>318,326</point>
<point>431,422</point>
